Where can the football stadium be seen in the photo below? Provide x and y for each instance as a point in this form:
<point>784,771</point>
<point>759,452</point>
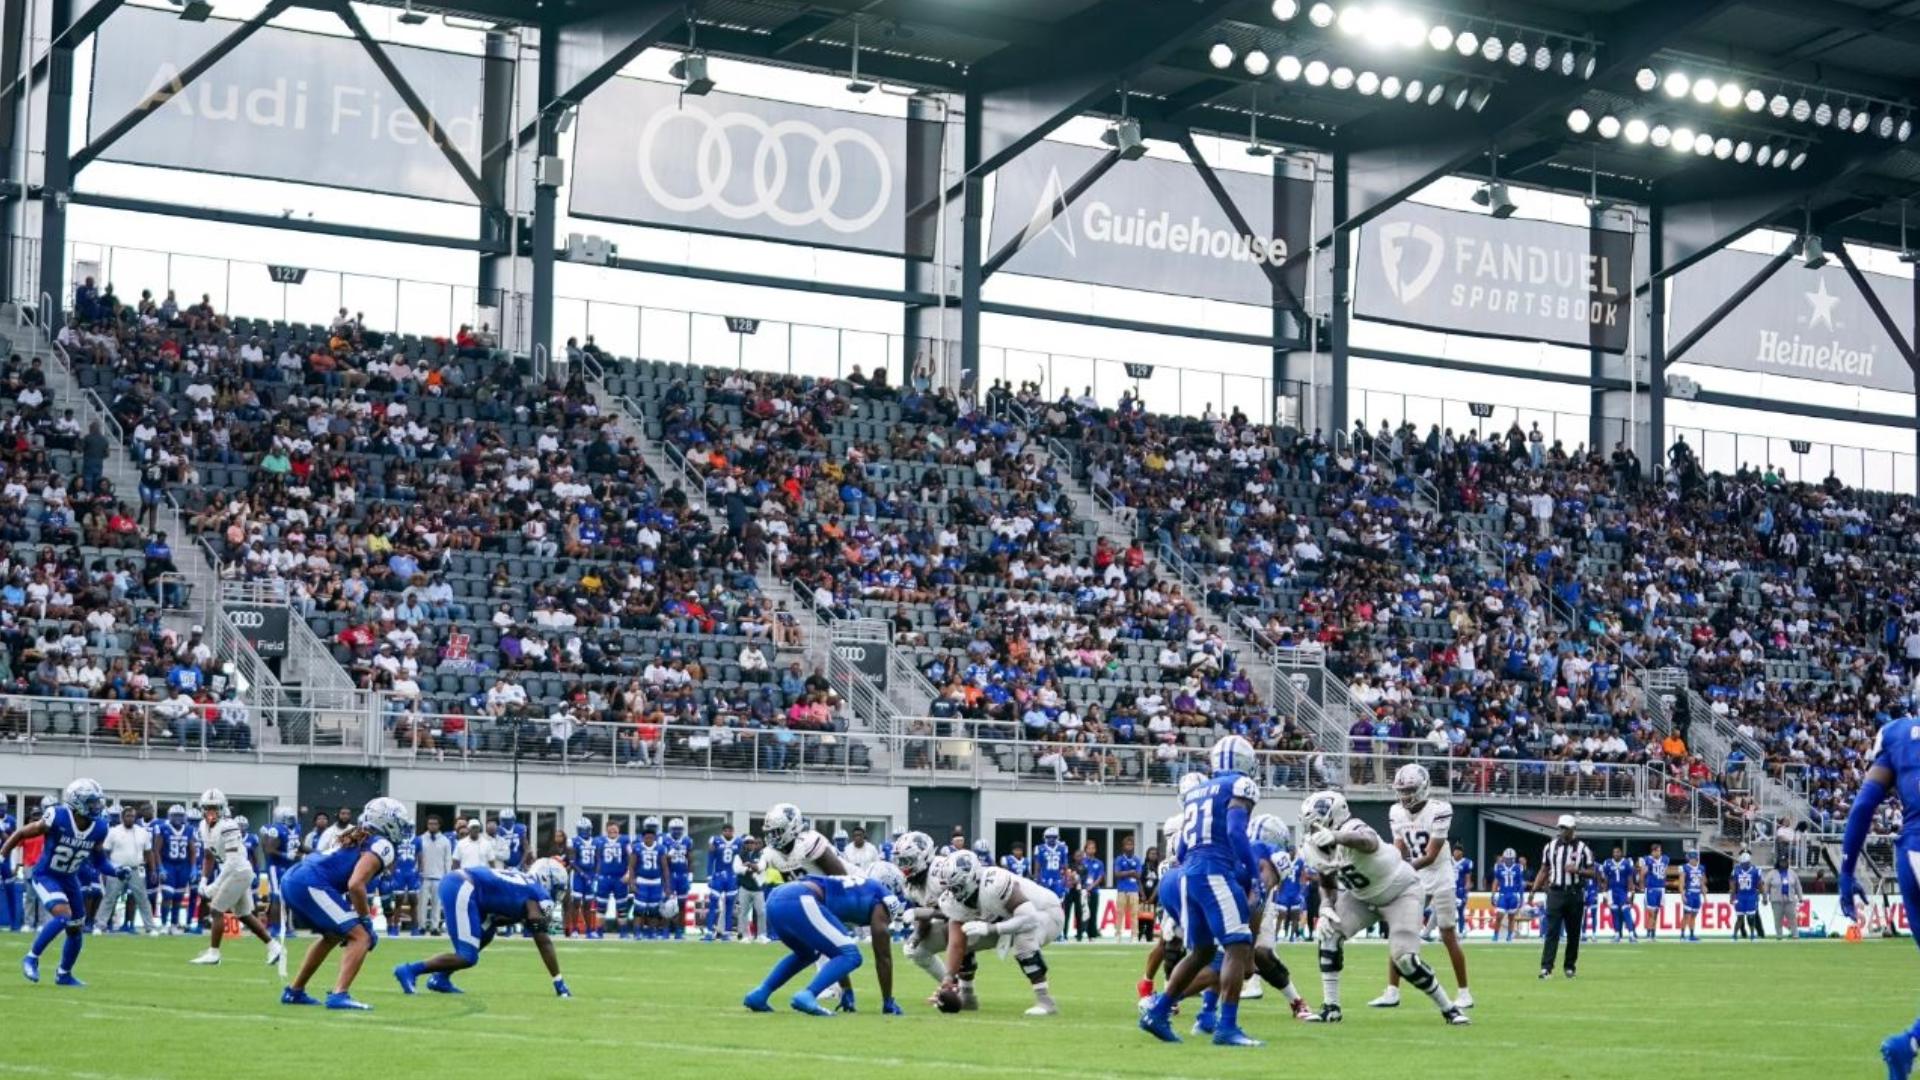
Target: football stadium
<point>1061,538</point>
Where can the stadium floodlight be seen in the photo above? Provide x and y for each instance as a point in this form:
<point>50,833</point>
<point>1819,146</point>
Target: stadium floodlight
<point>1801,110</point>
<point>1763,157</point>
<point>1367,83</point>
<point>1779,106</point>
<point>1517,54</point>
<point>1813,253</point>
<point>1660,136</point>
<point>1390,86</point>
<point>1705,89</point>
<point>1542,58</point>
<point>1321,15</point>
<point>1860,121</point>
<point>1287,67</point>
<point>1493,195</point>
<point>1608,127</point>
<point>1460,97</point>
<point>1676,84</point>
<point>691,70</point>
<point>1477,101</point>
<point>1703,145</point>
<point>1844,118</point>
<point>1635,130</point>
<point>1742,151</point>
<point>1885,127</point>
<point>1493,48</point>
<point>1682,140</point>
<point>1578,120</point>
<point>1905,131</point>
<point>1440,36</point>
<point>1467,43</point>
<point>1342,78</point>
<point>1220,56</point>
<point>1316,73</point>
<point>1756,101</point>
<point>1730,95</point>
<point>1723,148</point>
<point>1415,88</point>
<point>198,10</point>
<point>1354,19</point>
<point>1437,94</point>
<point>1823,115</point>
<point>1124,136</point>
<point>1646,79</point>
<point>1412,31</point>
<point>1799,159</point>
<point>1285,10</point>
<point>1569,61</point>
<point>410,17</point>
<point>1256,63</point>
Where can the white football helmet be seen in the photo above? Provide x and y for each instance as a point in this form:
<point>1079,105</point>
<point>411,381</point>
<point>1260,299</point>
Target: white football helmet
<point>1410,785</point>
<point>650,824</point>
<point>1232,754</point>
<point>1172,826</point>
<point>241,820</point>
<point>549,873</point>
<point>1052,834</point>
<point>888,876</point>
<point>215,799</point>
<point>388,818</point>
<point>1269,830</point>
<point>782,826</point>
<point>676,826</point>
<point>963,875</point>
<point>1189,781</point>
<point>912,853</point>
<point>1324,810</point>
<point>937,870</point>
<point>84,797</point>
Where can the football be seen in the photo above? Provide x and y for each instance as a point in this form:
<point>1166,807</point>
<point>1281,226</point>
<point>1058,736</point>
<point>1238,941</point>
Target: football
<point>947,999</point>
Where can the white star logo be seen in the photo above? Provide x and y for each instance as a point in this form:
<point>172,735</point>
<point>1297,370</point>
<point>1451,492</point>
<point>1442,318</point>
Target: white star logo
<point>1823,302</point>
<point>1044,220</point>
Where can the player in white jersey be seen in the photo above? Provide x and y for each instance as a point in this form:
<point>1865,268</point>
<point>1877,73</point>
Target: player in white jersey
<point>1420,827</point>
<point>991,907</point>
<point>926,942</point>
<point>1363,880</point>
<point>796,850</point>
<point>223,846</point>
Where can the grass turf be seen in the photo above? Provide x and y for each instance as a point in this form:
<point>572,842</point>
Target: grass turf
<point>1780,1010</point>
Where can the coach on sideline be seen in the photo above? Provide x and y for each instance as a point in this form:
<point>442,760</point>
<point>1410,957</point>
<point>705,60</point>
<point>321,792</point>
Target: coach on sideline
<point>1565,867</point>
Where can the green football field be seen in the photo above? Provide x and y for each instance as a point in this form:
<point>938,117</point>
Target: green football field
<point>1775,1010</point>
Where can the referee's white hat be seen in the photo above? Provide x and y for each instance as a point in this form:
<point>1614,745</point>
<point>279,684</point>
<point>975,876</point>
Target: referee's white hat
<point>1566,822</point>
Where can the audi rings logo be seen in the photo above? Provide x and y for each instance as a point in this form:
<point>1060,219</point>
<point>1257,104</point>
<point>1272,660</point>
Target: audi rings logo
<point>770,171</point>
<point>854,653</point>
<point>248,620</point>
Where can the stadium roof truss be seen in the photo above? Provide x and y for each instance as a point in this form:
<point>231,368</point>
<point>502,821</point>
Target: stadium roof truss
<point>1537,92</point>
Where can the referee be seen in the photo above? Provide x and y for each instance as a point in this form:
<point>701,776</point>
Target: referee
<point>1565,868</point>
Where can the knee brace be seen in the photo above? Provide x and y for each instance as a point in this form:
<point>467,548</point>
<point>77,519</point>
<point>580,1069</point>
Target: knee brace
<point>1176,951</point>
<point>968,966</point>
<point>1034,966</point>
<point>1414,970</point>
<point>1332,958</point>
<point>1270,968</point>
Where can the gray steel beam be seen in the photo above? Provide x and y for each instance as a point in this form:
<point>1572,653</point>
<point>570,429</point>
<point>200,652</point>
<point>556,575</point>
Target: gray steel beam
<point>545,197</point>
<point>972,206</point>
<point>1283,294</point>
<point>1032,87</point>
<point>276,222</point>
<point>435,132</point>
<point>498,78</point>
<point>1733,300</point>
<point>1711,218</point>
<point>602,45</point>
<point>1050,213</point>
<point>56,168</point>
<point>1341,314</point>
<point>152,102</point>
<point>1656,339</point>
<point>1893,329</point>
<point>13,46</point>
<point>81,28</point>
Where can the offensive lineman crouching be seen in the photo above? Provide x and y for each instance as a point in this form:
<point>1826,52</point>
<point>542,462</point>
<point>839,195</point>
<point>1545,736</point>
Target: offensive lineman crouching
<point>1364,881</point>
<point>990,907</point>
<point>479,902</point>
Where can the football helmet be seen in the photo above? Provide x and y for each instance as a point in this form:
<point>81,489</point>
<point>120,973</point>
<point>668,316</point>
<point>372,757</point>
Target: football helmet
<point>782,825</point>
<point>912,853</point>
<point>1410,785</point>
<point>85,797</point>
<point>1269,830</point>
<point>1324,810</point>
<point>215,799</point>
<point>1232,754</point>
<point>387,817</point>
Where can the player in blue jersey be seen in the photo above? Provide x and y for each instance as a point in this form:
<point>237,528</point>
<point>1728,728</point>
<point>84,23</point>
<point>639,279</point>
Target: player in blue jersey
<point>1016,862</point>
<point>174,839</point>
<point>1590,920</point>
<point>11,894</point>
<point>401,892</point>
<point>723,886</point>
<point>679,877</point>
<point>646,878</point>
<point>329,891</point>
<point>1894,768</point>
<point>1126,886</point>
<point>478,903</point>
<point>583,905</point>
<point>1509,889</point>
<point>1620,875</point>
<point>1216,871</point>
<point>1290,901</point>
<point>1462,884</point>
<point>76,832</point>
<point>515,835</point>
<point>1693,889</point>
<point>811,918</point>
<point>1267,836</point>
<point>1653,881</point>
<point>280,846</point>
<point>1744,889</point>
<point>1050,862</point>
<point>612,885</point>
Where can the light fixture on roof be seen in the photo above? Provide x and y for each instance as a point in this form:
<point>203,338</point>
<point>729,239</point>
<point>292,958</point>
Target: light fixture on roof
<point>1905,130</point>
<point>1543,58</point>
<point>1440,36</point>
<point>1860,121</point>
<point>1390,86</point>
<point>1676,84</point>
<point>1287,67</point>
<point>1683,140</point>
<point>1660,135</point>
<point>1799,159</point>
<point>1493,48</point>
<point>1844,118</point>
<point>1316,73</point>
<point>1756,101</point>
<point>1467,43</point>
<point>1635,130</point>
<point>1285,10</point>
<point>1220,56</point>
<point>1578,121</point>
<point>1646,79</point>
<point>1705,89</point>
<point>1436,93</point>
<point>1823,115</point>
<point>1342,78</point>
<point>1460,97</point>
<point>1415,88</point>
<point>1353,19</point>
<point>1778,106</point>
<point>1907,254</point>
<point>1763,157</point>
<point>1885,128</point>
<point>1493,194</point>
<point>1801,110</point>
<point>1742,151</point>
<point>1730,95</point>
<point>855,84</point>
<point>1723,148</point>
<point>1517,53</point>
<point>194,10</point>
<point>410,17</point>
<point>1477,101</point>
<point>1256,63</point>
<point>1124,133</point>
<point>1608,126</point>
<point>1321,15</point>
<point>1367,83</point>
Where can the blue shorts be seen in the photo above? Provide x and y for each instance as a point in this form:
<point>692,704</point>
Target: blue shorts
<point>1909,888</point>
<point>404,883</point>
<point>1213,908</point>
<point>176,876</point>
<point>1057,885</point>
<point>1748,906</point>
<point>52,889</point>
<point>583,886</point>
<point>1288,899</point>
<point>470,930</point>
<point>682,884</point>
<point>1506,902</point>
<point>1620,900</point>
<point>805,926</point>
<point>1656,897</point>
<point>277,874</point>
<point>612,888</point>
<point>1691,903</point>
<point>648,892</point>
<point>1167,896</point>
<point>728,884</point>
<point>322,906</point>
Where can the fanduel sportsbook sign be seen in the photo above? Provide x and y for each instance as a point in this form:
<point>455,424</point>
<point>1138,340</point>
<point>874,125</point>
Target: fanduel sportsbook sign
<point>1148,224</point>
<point>1806,324</point>
<point>1468,273</point>
<point>285,105</point>
<point>744,166</point>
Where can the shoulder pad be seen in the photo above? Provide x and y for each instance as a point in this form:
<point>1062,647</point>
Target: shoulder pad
<point>383,848</point>
<point>1245,788</point>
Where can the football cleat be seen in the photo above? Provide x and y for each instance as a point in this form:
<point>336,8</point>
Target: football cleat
<point>210,957</point>
<point>1455,1018</point>
<point>275,951</point>
<point>1043,1008</point>
<point>65,978</point>
<point>442,983</point>
<point>1160,1027</point>
<point>1206,1022</point>
<point>1464,999</point>
<point>405,976</point>
<point>344,1001</point>
<point>1233,1036</point>
<point>30,967</point>
<point>1388,1000</point>
<point>805,1002</point>
<point>1328,1014</point>
<point>757,1002</point>
<point>290,996</point>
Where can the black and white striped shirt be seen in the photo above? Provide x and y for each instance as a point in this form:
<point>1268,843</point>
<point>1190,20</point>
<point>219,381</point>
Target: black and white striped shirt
<point>1566,863</point>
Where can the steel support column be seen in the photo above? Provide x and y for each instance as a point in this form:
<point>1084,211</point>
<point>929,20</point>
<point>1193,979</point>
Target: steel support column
<point>973,206</point>
<point>13,50</point>
<point>498,79</point>
<point>1894,331</point>
<point>1597,358</point>
<point>1342,298</point>
<point>923,323</point>
<point>57,171</point>
<point>1282,294</point>
<point>1656,342</point>
<point>1727,306</point>
<point>436,133</point>
<point>593,50</point>
<point>545,198</point>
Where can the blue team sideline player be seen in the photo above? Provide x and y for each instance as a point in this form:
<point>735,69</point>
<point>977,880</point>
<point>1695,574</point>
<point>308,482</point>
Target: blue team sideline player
<point>1653,879</point>
<point>1745,887</point>
<point>329,891</point>
<point>1895,767</point>
<point>810,918</point>
<point>1216,871</point>
<point>11,909</point>
<point>1509,887</point>
<point>401,890</point>
<point>582,899</point>
<point>174,837</point>
<point>480,902</point>
<point>76,836</point>
<point>1050,862</point>
<point>646,880</point>
<point>1693,888</point>
<point>723,885</point>
<point>1463,868</point>
<point>679,876</point>
<point>280,843</point>
<point>1619,873</point>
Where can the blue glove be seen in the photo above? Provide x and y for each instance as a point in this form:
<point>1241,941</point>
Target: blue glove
<point>1848,887</point>
<point>560,989</point>
<point>892,1008</point>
